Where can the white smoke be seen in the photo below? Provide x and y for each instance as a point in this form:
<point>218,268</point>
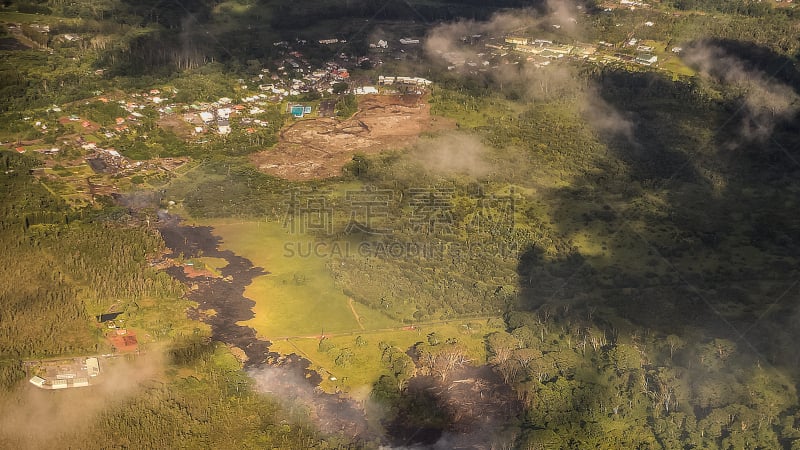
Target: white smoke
<point>766,101</point>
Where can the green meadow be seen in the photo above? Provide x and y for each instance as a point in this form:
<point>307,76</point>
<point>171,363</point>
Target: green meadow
<point>298,296</point>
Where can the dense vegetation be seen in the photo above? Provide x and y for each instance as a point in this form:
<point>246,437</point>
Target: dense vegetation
<point>652,327</point>
<point>632,231</point>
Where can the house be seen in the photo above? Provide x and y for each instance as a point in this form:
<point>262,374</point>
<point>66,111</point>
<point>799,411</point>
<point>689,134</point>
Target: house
<point>206,116</point>
<point>223,127</point>
<point>92,367</point>
<point>516,40</point>
<point>409,41</point>
<point>647,59</point>
<point>365,90</point>
<point>37,381</point>
<point>328,41</point>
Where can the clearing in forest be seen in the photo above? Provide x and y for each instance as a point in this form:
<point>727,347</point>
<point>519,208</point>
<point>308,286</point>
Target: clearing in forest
<point>319,148</point>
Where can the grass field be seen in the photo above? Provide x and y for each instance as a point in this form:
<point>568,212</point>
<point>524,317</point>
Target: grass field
<point>298,297</point>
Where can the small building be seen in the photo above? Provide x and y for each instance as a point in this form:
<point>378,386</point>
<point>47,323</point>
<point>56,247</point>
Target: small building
<point>206,116</point>
<point>516,40</point>
<point>59,384</point>
<point>92,367</point>
<point>80,382</point>
<point>37,381</point>
<point>224,113</point>
<point>365,90</point>
<point>409,41</point>
<point>647,59</point>
<point>223,127</point>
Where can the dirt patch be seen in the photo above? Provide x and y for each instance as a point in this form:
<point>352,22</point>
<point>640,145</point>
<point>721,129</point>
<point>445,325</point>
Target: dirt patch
<point>193,272</point>
<point>319,148</point>
<point>124,342</point>
<point>175,124</point>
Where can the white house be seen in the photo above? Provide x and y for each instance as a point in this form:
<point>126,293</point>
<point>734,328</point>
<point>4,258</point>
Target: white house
<point>206,116</point>
<point>647,60</point>
<point>365,90</point>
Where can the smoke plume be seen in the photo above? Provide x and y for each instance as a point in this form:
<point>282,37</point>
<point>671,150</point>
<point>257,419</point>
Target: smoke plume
<point>605,118</point>
<point>766,102</point>
<point>453,153</point>
<point>37,418</point>
<point>332,414</point>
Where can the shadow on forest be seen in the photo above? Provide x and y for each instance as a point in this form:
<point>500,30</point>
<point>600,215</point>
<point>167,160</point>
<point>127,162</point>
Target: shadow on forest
<point>717,251</point>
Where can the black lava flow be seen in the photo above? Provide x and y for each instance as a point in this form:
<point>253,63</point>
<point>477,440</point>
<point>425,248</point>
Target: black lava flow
<point>224,295</point>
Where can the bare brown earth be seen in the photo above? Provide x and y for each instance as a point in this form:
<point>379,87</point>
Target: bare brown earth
<point>319,148</point>
<point>175,124</point>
